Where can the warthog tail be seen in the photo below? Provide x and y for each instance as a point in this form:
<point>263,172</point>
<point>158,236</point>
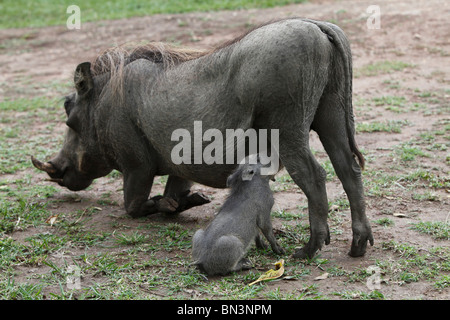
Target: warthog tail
<point>338,38</point>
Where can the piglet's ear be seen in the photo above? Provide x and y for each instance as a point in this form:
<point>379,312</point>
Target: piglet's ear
<point>83,78</point>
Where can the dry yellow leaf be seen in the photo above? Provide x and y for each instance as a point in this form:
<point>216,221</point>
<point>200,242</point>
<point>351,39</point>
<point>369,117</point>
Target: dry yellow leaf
<point>323,276</point>
<point>271,274</point>
<point>52,219</point>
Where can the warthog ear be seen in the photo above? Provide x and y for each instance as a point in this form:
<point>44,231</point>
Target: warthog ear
<point>83,78</point>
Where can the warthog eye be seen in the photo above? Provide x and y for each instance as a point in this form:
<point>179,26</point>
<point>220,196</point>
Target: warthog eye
<point>68,103</point>
<point>72,119</point>
<point>67,106</point>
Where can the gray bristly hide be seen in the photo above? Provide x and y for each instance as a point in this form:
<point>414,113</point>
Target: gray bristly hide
<point>222,246</point>
<point>291,75</point>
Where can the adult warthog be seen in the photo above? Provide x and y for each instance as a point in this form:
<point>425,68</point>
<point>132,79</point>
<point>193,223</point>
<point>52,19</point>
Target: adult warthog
<point>293,75</point>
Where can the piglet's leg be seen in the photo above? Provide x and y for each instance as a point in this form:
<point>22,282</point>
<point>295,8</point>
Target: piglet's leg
<point>266,228</point>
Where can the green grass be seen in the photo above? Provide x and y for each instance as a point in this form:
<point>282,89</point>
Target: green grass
<point>408,100</point>
<point>437,229</point>
<point>133,239</point>
<point>408,152</point>
<point>30,105</point>
<point>381,67</point>
<point>22,13</point>
<point>360,295</point>
<point>20,214</point>
<point>17,117</point>
<point>426,178</point>
<point>385,222</point>
<point>393,103</point>
<point>415,265</point>
<point>390,126</point>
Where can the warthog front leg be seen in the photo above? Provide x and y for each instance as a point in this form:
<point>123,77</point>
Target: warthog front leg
<point>136,188</point>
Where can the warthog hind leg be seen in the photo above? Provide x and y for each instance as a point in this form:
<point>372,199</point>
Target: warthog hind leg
<point>330,125</point>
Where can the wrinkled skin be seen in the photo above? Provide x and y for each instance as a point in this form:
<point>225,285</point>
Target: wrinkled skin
<point>79,162</point>
<point>293,75</point>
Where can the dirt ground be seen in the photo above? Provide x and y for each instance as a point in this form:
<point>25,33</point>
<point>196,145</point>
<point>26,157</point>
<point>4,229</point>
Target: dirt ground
<point>414,32</point>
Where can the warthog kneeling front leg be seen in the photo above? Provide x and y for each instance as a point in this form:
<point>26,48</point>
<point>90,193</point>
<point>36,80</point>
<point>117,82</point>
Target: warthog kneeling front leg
<point>176,198</point>
<point>179,190</point>
<point>191,200</point>
<point>161,204</point>
<point>151,206</point>
<point>137,186</point>
<point>169,205</point>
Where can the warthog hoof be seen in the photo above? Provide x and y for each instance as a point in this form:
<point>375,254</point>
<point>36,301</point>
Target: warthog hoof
<point>359,243</point>
<point>167,205</point>
<point>192,200</point>
<point>161,204</point>
<point>314,244</point>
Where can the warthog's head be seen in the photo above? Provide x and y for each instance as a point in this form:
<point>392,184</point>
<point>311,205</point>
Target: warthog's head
<point>80,160</point>
<point>249,168</point>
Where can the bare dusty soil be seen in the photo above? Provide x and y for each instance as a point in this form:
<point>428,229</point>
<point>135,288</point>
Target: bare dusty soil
<point>414,32</point>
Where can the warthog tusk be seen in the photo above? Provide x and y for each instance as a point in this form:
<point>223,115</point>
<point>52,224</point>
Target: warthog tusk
<point>47,166</point>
